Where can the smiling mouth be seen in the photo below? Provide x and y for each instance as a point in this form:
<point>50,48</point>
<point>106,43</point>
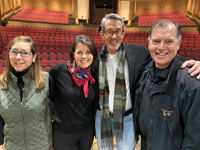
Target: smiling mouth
<point>113,42</point>
<point>85,61</point>
<point>19,63</point>
<point>161,54</point>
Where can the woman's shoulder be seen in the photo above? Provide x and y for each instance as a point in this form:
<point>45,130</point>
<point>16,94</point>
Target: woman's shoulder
<point>58,67</point>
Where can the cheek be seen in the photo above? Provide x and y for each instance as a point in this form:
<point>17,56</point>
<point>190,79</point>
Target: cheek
<point>11,60</point>
<point>76,57</point>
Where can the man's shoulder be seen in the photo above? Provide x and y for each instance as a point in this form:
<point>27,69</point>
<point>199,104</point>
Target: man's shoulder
<point>184,77</point>
<point>138,48</point>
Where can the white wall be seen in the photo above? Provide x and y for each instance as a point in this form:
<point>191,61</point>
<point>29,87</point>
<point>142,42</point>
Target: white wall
<point>82,9</point>
<point>124,9</point>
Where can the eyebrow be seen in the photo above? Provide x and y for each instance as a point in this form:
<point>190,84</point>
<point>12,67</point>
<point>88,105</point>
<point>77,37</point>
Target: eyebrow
<point>164,40</point>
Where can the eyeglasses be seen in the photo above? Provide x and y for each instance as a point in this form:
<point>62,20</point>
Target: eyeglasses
<point>24,54</point>
<point>110,32</point>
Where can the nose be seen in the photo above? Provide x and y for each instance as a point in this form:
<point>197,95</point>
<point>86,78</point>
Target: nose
<point>18,55</point>
<point>114,35</point>
<point>84,55</point>
<point>162,45</point>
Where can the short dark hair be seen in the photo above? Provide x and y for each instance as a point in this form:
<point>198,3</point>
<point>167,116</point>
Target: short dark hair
<point>163,23</point>
<point>85,40</point>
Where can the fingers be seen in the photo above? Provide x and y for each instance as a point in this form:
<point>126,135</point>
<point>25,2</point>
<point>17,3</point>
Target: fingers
<point>188,63</point>
<point>195,70</point>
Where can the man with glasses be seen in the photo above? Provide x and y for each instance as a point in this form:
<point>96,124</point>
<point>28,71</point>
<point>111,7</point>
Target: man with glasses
<point>119,69</point>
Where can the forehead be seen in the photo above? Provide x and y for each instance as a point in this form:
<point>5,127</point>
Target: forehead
<point>113,24</point>
<point>164,32</point>
<point>22,46</point>
<point>82,46</point>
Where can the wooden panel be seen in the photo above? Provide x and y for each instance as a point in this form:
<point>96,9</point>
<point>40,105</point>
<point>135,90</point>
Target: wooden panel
<point>6,5</point>
<point>197,8</point>
<point>49,4</point>
<point>161,6</point>
<point>99,14</point>
<point>17,2</point>
<point>189,6</point>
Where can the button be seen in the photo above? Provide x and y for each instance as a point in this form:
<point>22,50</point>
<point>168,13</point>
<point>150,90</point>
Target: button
<point>111,114</point>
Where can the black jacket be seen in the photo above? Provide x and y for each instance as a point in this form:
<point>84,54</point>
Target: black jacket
<point>174,114</point>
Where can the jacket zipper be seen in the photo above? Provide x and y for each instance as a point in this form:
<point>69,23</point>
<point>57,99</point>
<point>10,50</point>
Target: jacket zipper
<point>23,120</point>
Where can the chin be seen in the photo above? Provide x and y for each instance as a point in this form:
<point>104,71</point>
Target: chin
<point>19,70</point>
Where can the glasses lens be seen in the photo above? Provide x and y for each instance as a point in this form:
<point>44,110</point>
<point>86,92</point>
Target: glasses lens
<point>118,32</point>
<point>25,53</point>
<point>13,52</point>
<point>109,32</point>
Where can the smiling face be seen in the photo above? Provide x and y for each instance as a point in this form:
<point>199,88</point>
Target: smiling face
<point>113,42</point>
<point>83,55</point>
<point>20,63</point>
<point>163,45</point>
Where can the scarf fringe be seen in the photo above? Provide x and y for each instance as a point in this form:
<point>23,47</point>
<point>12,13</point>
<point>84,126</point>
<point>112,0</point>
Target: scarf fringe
<point>118,134</point>
<point>107,143</point>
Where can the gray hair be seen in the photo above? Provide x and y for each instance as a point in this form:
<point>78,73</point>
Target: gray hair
<point>163,23</point>
<point>111,16</point>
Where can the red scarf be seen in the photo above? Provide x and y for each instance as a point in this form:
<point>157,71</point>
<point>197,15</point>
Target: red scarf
<point>81,77</point>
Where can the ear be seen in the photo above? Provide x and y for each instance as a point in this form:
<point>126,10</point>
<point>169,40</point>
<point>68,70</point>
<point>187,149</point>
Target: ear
<point>179,43</point>
<point>123,34</point>
<point>34,57</point>
<point>101,34</point>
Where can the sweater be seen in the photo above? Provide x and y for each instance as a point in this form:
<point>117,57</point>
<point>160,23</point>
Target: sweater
<point>72,111</point>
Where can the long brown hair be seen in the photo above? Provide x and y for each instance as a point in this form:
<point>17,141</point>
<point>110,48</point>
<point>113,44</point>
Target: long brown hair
<point>34,72</point>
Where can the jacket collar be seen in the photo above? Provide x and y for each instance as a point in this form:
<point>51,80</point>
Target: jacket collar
<point>174,67</point>
<point>130,57</point>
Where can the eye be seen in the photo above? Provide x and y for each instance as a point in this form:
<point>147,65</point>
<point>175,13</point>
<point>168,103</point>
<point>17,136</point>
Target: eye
<point>109,31</point>
<point>13,52</point>
<point>25,53</point>
<point>118,31</point>
<point>155,41</point>
<point>79,52</point>
<point>169,42</point>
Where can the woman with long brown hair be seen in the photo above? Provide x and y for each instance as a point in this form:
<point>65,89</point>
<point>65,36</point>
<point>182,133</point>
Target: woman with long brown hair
<point>25,122</point>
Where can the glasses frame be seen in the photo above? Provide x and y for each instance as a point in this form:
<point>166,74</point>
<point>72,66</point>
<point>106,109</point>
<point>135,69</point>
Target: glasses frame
<point>113,32</point>
<point>20,53</point>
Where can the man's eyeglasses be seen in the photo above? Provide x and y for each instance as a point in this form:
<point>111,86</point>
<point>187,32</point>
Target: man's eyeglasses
<point>24,54</point>
<point>110,32</point>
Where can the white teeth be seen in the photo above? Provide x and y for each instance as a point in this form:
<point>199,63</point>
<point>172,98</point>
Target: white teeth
<point>162,54</point>
<point>113,41</point>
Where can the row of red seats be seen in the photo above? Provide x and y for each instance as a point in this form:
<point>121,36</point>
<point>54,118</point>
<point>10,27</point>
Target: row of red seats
<point>148,18</point>
<point>189,50</point>
<point>190,55</point>
<point>42,15</point>
<point>30,28</point>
